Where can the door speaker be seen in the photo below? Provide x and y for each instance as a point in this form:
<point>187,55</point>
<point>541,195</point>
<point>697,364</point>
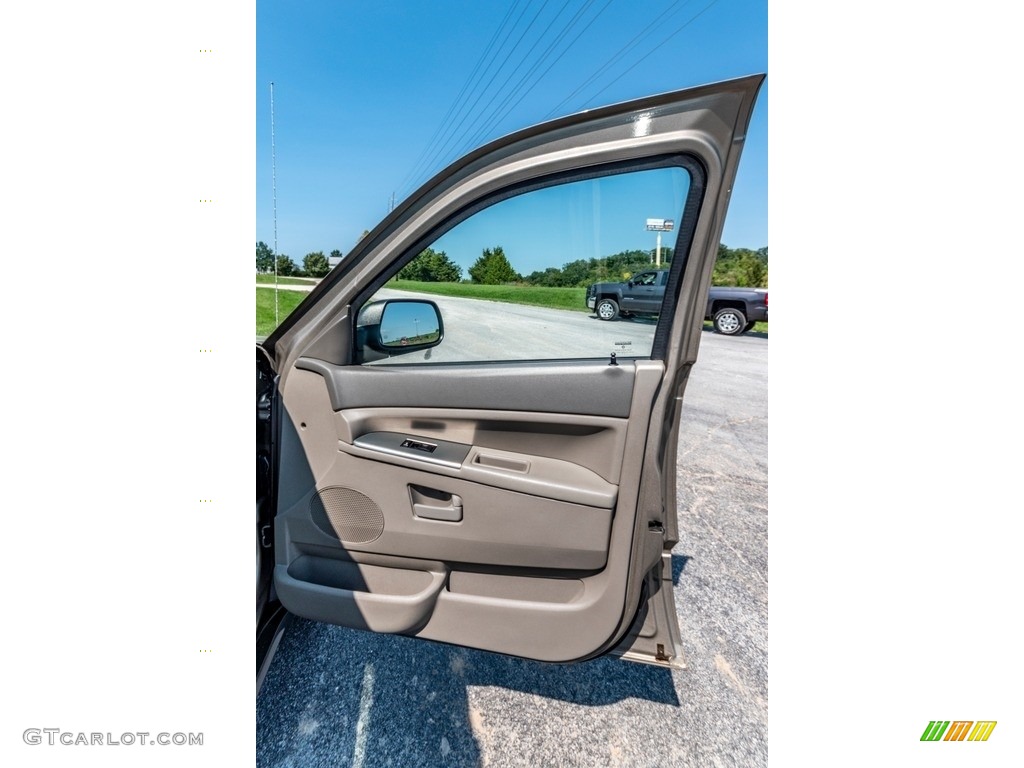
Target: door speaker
<point>346,514</point>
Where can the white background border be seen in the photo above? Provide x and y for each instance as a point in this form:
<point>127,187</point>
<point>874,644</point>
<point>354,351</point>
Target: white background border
<point>896,508</point>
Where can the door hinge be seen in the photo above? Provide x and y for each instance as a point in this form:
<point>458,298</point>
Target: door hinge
<point>660,655</point>
<point>265,536</point>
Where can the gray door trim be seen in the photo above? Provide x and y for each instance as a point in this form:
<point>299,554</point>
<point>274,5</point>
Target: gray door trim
<point>586,387</point>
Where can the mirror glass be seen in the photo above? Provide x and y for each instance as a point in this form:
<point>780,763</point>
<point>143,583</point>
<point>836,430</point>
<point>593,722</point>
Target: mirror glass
<point>408,323</point>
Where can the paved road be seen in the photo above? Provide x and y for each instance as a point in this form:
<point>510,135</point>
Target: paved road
<point>490,330</point>
<point>342,697</point>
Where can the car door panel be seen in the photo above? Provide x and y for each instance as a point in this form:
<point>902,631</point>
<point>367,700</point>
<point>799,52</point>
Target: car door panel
<point>529,497</point>
<point>524,507</point>
<point>497,526</point>
<point>648,298</point>
<point>578,387</point>
<point>511,551</point>
<point>514,471</point>
<point>594,442</point>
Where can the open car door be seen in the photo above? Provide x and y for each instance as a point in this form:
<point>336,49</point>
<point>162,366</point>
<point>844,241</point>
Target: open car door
<point>498,475</point>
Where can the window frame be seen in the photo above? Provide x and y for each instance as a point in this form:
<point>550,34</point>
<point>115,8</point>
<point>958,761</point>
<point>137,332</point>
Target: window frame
<point>680,250</point>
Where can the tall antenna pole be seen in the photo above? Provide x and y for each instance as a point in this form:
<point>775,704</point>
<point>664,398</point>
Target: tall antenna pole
<point>273,177</point>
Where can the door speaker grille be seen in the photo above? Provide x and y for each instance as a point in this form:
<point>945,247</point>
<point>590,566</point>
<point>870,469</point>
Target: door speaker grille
<point>346,514</point>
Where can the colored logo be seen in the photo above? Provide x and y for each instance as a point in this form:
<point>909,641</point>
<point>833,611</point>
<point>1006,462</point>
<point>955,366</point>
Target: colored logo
<point>959,730</point>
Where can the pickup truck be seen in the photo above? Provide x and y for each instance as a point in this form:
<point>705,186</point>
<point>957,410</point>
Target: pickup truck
<point>732,311</point>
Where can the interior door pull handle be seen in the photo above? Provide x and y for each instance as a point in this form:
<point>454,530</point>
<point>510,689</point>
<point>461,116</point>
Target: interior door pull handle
<point>450,512</point>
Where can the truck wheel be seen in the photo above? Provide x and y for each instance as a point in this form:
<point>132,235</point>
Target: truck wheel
<point>730,321</point>
<point>607,309</point>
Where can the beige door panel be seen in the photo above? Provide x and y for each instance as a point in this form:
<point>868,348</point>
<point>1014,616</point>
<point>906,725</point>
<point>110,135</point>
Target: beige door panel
<point>525,473</point>
<point>497,527</point>
<point>522,573</point>
<point>500,525</point>
<point>364,595</point>
<point>593,442</point>
<point>558,456</point>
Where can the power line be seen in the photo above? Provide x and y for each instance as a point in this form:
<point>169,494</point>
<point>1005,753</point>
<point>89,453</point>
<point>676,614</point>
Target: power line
<point>444,120</point>
<point>640,36</point>
<point>445,148</point>
<point>481,113</point>
<point>496,119</point>
<point>654,48</point>
<point>499,112</point>
<point>494,59</point>
<point>448,136</point>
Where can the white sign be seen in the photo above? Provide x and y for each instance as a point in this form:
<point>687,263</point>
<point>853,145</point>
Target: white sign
<point>660,225</point>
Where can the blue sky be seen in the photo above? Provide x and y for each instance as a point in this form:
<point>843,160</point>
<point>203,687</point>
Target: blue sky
<point>579,220</point>
<point>361,89</point>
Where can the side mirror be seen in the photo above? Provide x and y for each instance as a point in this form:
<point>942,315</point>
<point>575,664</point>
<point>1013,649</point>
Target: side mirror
<point>396,327</point>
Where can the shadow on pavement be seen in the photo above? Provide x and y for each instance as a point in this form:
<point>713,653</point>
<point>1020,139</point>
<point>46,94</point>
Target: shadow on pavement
<point>756,334</point>
<point>651,320</point>
<point>678,564</point>
<point>336,696</point>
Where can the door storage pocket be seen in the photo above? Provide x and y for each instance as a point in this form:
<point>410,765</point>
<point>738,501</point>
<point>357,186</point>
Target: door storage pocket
<point>371,597</point>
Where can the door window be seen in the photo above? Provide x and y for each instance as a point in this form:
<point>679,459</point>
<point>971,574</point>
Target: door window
<point>512,281</point>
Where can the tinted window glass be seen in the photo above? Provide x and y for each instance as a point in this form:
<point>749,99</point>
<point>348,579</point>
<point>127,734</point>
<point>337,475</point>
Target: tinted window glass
<point>567,271</point>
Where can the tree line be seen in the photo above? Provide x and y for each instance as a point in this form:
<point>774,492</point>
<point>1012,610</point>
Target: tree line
<point>741,267</point>
<point>733,266</point>
<point>314,264</point>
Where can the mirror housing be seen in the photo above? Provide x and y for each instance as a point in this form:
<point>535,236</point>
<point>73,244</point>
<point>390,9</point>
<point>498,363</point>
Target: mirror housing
<point>396,327</point>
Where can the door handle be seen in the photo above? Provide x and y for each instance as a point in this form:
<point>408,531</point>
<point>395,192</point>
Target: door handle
<point>431,504</point>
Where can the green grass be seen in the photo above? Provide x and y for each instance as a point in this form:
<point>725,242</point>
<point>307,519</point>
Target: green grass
<point>264,279</point>
<point>535,296</point>
<point>287,301</point>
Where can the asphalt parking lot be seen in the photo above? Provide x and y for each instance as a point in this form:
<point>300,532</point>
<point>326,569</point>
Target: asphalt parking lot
<point>338,697</point>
